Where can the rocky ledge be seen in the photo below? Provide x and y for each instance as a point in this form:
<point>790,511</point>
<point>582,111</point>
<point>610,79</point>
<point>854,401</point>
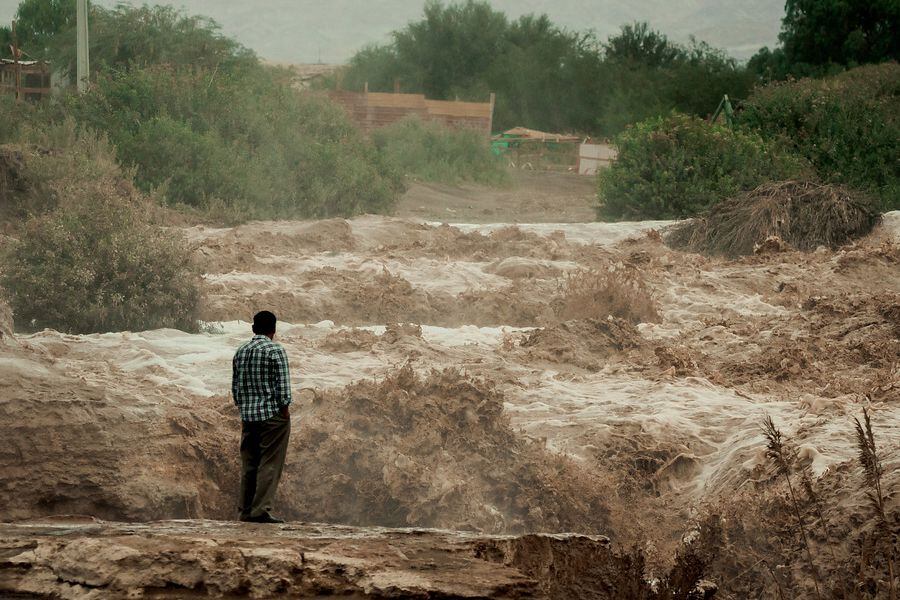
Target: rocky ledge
<point>86,558</point>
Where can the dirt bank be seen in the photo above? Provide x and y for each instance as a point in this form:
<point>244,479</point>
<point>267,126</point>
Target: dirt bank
<point>178,559</point>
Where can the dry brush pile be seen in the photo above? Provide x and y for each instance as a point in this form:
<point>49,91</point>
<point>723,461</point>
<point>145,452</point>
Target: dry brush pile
<point>801,214</point>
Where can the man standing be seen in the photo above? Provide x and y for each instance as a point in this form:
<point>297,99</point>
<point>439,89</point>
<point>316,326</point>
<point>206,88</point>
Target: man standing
<point>261,387</point>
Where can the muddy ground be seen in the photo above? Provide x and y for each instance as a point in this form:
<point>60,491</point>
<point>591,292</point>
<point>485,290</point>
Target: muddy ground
<point>529,197</point>
<point>545,377</point>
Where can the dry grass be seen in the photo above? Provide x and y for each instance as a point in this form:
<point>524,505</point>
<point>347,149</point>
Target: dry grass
<point>802,214</point>
<point>783,458</point>
<point>597,294</point>
<point>872,472</point>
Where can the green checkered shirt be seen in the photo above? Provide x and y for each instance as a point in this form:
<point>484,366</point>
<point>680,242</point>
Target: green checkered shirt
<point>261,379</point>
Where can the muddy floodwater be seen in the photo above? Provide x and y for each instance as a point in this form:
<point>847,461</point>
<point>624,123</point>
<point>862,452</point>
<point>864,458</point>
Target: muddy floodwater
<point>446,377</point>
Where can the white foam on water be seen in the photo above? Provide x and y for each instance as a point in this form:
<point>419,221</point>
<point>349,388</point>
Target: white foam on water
<point>581,233</point>
<point>200,364</point>
<point>717,427</point>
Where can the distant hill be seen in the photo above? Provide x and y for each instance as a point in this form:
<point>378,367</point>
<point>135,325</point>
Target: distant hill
<point>307,31</point>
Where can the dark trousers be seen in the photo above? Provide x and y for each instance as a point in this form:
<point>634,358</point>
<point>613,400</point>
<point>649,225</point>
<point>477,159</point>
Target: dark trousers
<point>263,448</point>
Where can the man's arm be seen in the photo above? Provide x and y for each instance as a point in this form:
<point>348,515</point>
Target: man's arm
<point>281,376</point>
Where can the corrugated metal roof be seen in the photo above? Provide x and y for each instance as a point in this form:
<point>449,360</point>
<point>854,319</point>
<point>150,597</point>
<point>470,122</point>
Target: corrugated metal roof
<point>534,134</point>
<point>24,63</point>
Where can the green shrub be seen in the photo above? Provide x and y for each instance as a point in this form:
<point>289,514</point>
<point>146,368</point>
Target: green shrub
<point>96,265</point>
<point>12,115</point>
<point>847,126</point>
<point>90,259</point>
<point>242,145</point>
<point>432,152</point>
<point>125,37</point>
<point>678,166</point>
<point>61,159</point>
<point>200,120</point>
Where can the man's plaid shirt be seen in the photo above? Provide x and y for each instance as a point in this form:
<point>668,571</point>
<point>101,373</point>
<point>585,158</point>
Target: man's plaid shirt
<point>261,379</point>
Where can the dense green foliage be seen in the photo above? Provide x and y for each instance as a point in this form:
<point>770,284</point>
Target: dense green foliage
<point>646,76</point>
<point>432,152</point>
<point>90,259</point>
<point>12,115</point>
<point>243,142</point>
<point>37,23</point>
<point>847,126</point>
<point>200,119</point>
<point>137,37</point>
<point>542,75</point>
<point>819,37</point>
<point>546,77</point>
<point>679,166</point>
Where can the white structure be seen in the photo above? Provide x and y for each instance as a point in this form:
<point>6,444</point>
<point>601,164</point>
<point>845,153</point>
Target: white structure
<point>591,157</point>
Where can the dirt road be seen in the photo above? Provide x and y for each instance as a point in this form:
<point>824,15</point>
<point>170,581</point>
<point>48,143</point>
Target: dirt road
<point>531,197</point>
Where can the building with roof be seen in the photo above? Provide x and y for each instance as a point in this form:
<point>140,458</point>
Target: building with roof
<point>25,79</point>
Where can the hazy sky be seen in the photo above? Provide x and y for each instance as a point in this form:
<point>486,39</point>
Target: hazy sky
<point>304,30</point>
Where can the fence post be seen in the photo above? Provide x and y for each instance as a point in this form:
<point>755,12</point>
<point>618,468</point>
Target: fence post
<point>17,70</point>
<point>491,118</point>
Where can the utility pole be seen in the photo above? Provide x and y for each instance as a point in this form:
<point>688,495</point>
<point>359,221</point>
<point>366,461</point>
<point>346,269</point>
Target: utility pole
<point>82,58</point>
<point>16,68</point>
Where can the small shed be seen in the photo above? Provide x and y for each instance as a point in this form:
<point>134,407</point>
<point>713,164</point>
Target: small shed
<point>26,79</point>
<point>540,150</point>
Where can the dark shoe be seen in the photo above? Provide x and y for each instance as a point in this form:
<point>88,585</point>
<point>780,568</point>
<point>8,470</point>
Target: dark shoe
<point>244,518</point>
<point>264,518</point>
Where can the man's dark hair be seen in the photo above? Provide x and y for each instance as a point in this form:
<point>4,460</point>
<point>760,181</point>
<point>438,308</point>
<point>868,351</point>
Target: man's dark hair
<point>264,323</point>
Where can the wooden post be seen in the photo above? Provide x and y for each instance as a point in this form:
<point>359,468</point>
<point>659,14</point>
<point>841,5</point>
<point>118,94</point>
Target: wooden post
<point>17,70</point>
<point>370,116</point>
<point>366,88</point>
<point>491,118</point>
<point>396,85</point>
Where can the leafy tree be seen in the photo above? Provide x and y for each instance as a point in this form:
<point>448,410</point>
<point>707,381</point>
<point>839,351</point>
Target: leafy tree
<point>198,117</point>
<point>637,44</point>
<point>451,46</point>
<point>37,22</point>
<point>645,76</point>
<point>245,145</point>
<point>846,32</point>
<point>823,37</point>
<point>128,37</point>
<point>544,76</point>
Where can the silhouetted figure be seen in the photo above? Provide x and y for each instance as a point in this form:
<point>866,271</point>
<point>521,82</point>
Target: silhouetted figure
<point>261,387</point>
